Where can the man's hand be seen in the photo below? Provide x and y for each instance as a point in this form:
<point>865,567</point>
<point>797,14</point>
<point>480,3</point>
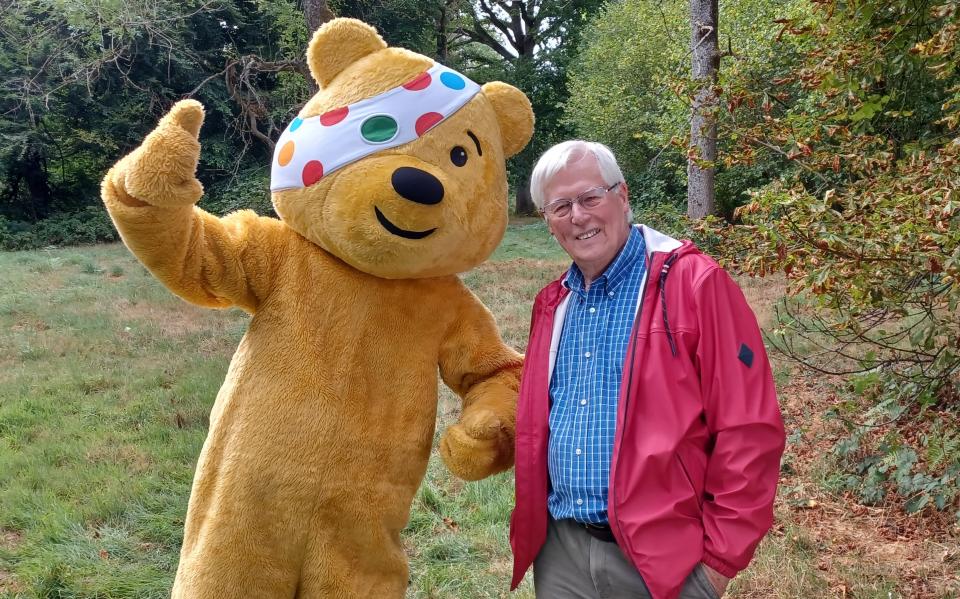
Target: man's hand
<point>718,580</point>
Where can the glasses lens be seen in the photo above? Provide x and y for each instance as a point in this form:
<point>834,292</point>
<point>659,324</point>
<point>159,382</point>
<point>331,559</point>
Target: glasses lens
<point>558,209</point>
<point>592,197</point>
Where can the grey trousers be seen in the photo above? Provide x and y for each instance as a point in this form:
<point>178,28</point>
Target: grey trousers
<point>574,565</point>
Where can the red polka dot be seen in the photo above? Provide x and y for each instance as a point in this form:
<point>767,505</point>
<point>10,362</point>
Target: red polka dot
<point>426,121</point>
<point>312,173</point>
<point>332,117</point>
<point>421,81</point>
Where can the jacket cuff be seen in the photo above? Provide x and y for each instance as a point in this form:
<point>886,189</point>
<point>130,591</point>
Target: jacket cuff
<point>719,565</point>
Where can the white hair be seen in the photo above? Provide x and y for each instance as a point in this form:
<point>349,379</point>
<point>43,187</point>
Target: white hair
<point>559,156</point>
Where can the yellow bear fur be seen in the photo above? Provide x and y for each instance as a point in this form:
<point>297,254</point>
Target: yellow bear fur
<point>321,432</point>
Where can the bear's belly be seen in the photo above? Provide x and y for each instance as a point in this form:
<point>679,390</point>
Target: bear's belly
<point>309,411</point>
<point>327,424</point>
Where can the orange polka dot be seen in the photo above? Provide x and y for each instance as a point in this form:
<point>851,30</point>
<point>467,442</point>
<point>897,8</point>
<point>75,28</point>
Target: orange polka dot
<point>286,153</point>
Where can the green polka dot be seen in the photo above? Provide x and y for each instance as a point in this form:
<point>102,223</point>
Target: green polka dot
<point>378,129</point>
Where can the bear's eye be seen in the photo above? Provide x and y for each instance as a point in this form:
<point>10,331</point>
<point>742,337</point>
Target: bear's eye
<point>458,156</point>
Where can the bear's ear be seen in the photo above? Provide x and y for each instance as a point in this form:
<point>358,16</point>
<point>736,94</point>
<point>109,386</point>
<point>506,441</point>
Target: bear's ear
<point>514,114</point>
<point>338,44</point>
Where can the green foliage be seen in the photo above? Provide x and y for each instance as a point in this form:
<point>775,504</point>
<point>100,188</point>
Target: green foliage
<point>84,226</point>
<point>534,57</point>
<point>629,90</point>
<point>867,225</point>
<point>249,188</point>
<point>84,82</point>
<point>620,93</point>
<point>411,24</point>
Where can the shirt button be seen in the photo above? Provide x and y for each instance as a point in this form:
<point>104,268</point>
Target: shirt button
<point>592,310</point>
<point>579,502</point>
<point>579,451</point>
<point>586,355</point>
<point>583,402</point>
<point>610,294</point>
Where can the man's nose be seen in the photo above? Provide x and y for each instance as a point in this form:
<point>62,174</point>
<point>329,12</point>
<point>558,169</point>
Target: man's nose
<point>577,213</point>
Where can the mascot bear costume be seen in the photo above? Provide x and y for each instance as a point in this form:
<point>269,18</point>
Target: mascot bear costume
<point>389,182</point>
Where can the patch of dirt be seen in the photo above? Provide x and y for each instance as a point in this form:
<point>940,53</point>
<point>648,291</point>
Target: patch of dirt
<point>762,294</point>
<point>30,325</point>
<point>174,321</point>
<point>9,583</point>
<point>10,539</point>
<point>920,551</point>
<point>136,460</point>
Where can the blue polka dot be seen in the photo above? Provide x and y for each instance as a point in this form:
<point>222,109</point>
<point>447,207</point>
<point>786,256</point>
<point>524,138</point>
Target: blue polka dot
<point>295,124</point>
<point>452,80</point>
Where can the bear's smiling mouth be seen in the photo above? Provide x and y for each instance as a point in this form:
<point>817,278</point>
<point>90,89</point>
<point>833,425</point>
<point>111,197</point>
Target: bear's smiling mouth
<point>392,228</point>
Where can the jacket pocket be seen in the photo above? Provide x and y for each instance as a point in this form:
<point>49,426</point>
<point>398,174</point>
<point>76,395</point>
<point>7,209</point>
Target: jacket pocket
<point>694,489</point>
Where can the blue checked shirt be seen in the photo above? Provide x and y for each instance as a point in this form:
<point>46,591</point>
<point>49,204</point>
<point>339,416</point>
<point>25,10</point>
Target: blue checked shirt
<point>585,385</point>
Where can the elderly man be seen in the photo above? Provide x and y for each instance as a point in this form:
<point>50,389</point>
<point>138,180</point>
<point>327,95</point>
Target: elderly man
<point>648,431</point>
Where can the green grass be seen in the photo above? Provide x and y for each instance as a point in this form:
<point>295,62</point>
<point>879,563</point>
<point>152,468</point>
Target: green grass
<point>106,382</point>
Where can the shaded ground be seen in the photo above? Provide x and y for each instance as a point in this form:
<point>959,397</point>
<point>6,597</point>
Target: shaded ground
<point>854,547</point>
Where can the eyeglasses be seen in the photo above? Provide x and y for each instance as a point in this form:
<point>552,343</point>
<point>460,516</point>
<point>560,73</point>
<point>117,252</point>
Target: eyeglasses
<point>588,200</point>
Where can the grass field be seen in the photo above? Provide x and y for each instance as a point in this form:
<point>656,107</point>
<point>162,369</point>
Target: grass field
<point>106,382</point>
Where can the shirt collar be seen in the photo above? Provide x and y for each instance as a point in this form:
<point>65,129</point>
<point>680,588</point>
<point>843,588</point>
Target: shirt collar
<point>618,270</point>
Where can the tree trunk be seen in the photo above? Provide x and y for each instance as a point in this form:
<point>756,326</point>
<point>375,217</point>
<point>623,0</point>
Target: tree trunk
<point>525,205</point>
<point>30,168</point>
<point>702,153</point>
<point>443,22</point>
<point>316,13</point>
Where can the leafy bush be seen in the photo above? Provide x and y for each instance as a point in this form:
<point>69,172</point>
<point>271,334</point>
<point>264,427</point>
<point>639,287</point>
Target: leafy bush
<point>92,224</point>
<point>247,189</point>
<point>671,218</point>
<point>88,225</point>
<point>868,230</point>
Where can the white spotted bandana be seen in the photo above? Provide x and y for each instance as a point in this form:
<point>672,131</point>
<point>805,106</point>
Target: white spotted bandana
<point>316,146</point>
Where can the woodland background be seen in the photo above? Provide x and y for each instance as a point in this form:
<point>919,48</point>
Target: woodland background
<point>836,199</point>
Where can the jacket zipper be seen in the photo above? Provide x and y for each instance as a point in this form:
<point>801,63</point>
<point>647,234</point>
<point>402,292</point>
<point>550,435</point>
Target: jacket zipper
<point>633,357</point>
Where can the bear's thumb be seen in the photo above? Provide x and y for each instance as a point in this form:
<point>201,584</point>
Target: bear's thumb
<point>186,114</point>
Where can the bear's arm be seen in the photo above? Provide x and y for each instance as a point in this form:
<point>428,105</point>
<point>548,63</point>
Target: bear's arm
<point>150,195</point>
<point>206,260</point>
<point>479,367</point>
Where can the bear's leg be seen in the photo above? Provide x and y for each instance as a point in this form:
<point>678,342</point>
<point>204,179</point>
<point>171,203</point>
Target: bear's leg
<point>236,570</point>
<point>356,562</point>
<point>231,550</point>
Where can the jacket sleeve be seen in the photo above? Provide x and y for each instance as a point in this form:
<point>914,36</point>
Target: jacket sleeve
<point>743,416</point>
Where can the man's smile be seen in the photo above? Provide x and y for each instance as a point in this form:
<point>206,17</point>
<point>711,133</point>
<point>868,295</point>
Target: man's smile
<point>392,228</point>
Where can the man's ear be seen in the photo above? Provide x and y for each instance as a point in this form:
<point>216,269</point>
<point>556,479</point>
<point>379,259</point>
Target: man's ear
<point>514,114</point>
<point>623,194</point>
<point>338,44</point>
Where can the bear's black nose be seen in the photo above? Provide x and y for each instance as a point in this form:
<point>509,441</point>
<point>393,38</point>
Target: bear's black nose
<point>417,185</point>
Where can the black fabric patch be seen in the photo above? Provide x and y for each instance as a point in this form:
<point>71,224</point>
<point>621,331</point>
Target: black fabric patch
<point>746,355</point>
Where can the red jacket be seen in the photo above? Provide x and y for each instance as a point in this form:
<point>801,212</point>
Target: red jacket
<point>699,435</point>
